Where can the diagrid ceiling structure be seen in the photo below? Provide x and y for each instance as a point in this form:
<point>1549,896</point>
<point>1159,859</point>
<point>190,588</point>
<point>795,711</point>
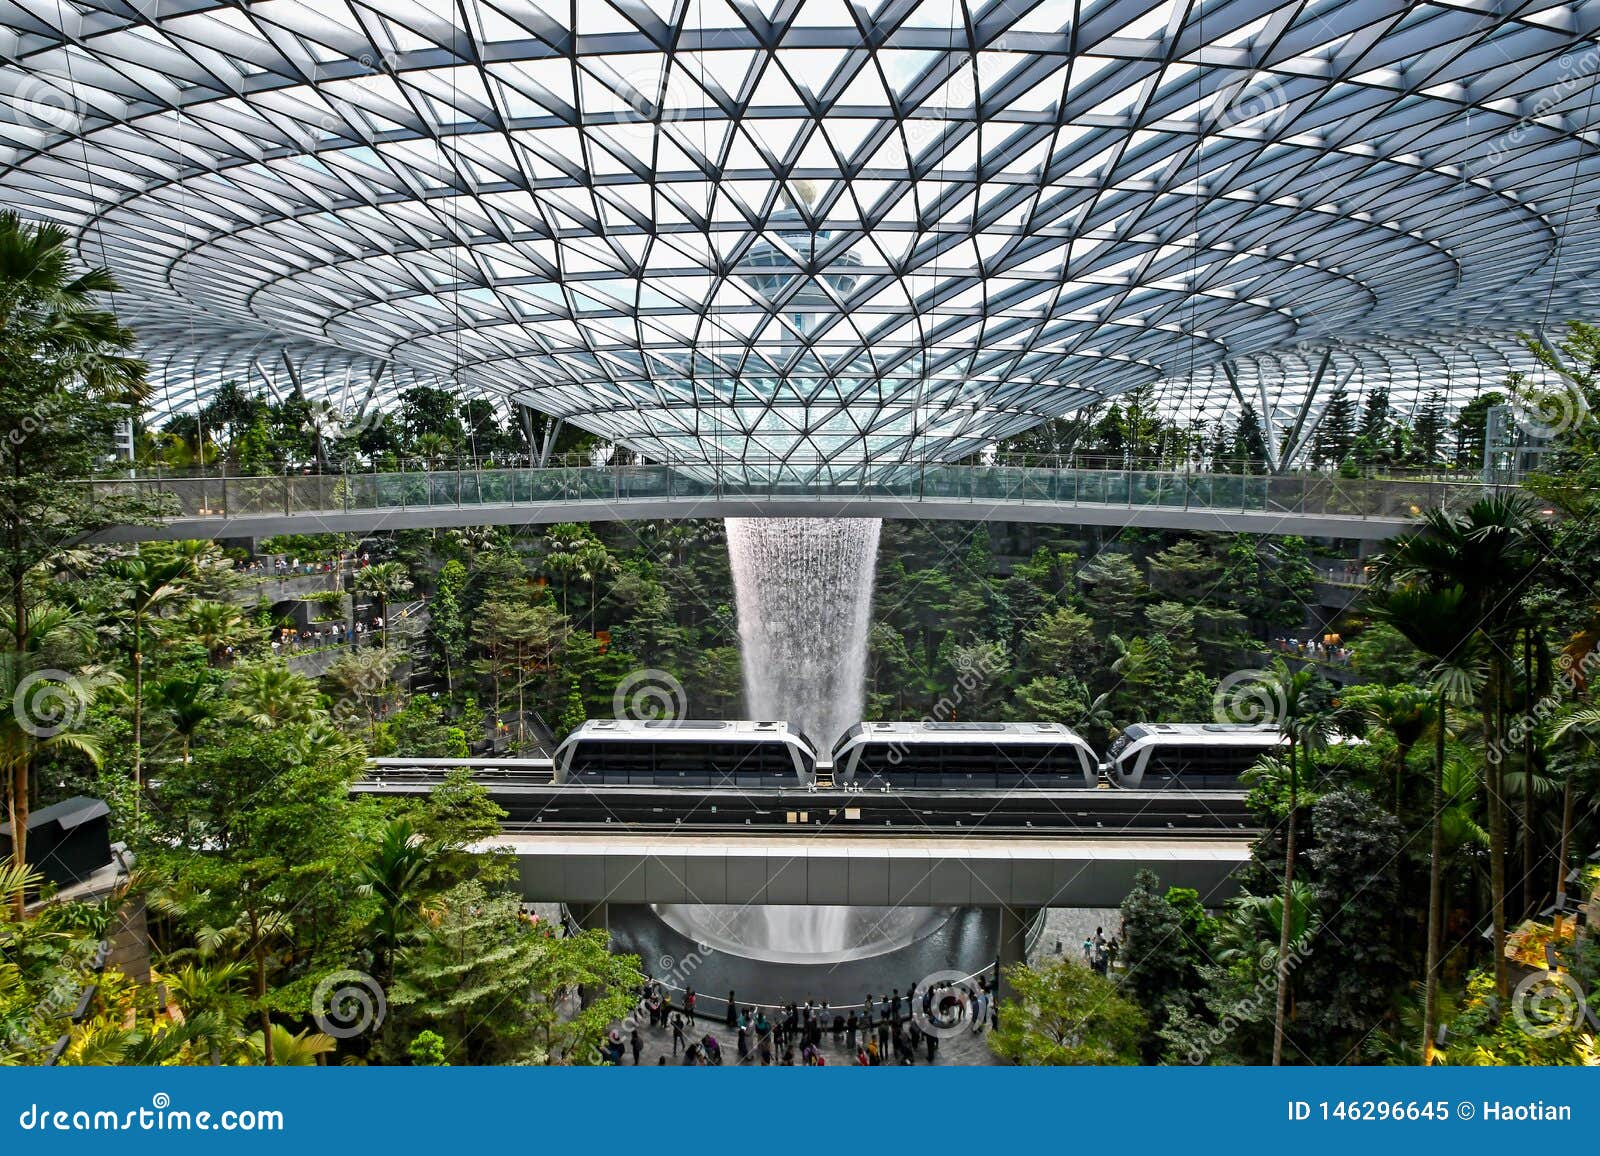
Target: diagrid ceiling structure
<point>834,230</point>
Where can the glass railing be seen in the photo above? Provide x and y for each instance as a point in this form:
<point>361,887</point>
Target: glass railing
<point>1304,494</point>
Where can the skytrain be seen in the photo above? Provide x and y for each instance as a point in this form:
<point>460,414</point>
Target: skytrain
<point>911,756</point>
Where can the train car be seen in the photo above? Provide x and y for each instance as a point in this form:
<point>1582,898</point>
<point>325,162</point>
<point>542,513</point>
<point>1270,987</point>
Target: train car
<point>1189,756</point>
<point>685,753</point>
<point>964,756</point>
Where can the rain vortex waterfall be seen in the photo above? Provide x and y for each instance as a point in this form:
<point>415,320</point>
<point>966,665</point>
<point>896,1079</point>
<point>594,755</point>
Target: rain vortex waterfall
<point>804,591</point>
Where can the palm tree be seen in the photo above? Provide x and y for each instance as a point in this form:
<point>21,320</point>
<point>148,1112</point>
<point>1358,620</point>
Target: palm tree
<point>1576,772</point>
<point>47,709</point>
<point>433,449</point>
<point>208,994</point>
<point>146,584</point>
<point>268,694</point>
<point>214,625</point>
<point>1437,622</point>
<point>392,873</point>
<point>1304,723</point>
<point>1490,552</point>
<point>594,562</point>
<point>57,344</point>
<point>188,702</point>
<point>384,581</point>
<point>1403,711</point>
<point>301,1050</point>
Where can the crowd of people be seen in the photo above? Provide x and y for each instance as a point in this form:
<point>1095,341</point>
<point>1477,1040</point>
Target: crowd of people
<point>1100,953</point>
<point>1315,649</point>
<point>279,566</point>
<point>885,1029</point>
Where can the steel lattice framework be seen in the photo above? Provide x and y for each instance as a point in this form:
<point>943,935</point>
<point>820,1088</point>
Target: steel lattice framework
<point>816,229</point>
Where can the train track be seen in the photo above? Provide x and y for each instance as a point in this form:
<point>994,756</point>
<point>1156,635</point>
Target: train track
<point>534,807</point>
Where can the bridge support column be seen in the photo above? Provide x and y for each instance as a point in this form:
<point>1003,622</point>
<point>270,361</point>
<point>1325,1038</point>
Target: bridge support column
<point>1015,924</point>
<point>590,916</point>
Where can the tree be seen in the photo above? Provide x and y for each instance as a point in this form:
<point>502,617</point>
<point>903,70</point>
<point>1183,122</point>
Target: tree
<point>144,585</point>
<point>1439,623</point>
<point>47,709</point>
<point>363,680</point>
<point>188,701</point>
<point>1429,428</point>
<point>1185,571</point>
<point>1470,428</point>
<point>1064,642</point>
<point>1349,978</point>
<point>447,620</point>
<point>269,694</point>
<point>1335,434</point>
<point>66,378</point>
<point>1165,941</point>
<point>258,828</point>
<point>393,873</point>
<point>1113,589</point>
<point>1376,415</point>
<point>214,625</point>
<point>1249,447</point>
<point>1297,704</point>
<point>496,984</point>
<point>1065,1014</point>
<point>1487,552</point>
<point>385,581</point>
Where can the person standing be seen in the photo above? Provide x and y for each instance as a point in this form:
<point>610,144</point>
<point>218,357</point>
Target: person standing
<point>688,1005</point>
<point>678,1038</point>
<point>637,1044</point>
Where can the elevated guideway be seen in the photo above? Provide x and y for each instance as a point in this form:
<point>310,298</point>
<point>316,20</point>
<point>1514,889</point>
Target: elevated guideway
<point>1019,849</point>
<point>1312,504</point>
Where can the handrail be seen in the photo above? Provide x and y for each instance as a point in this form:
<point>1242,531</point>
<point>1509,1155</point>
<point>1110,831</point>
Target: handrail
<point>319,494</point>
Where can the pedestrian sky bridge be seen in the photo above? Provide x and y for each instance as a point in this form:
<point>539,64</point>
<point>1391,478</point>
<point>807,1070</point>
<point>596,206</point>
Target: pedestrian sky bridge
<point>1310,504</point>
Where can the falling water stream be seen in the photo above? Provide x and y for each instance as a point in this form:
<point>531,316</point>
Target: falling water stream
<point>804,592</point>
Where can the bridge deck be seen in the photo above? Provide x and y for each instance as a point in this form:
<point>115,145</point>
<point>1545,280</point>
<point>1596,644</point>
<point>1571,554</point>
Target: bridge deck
<point>1315,505</point>
<point>864,869</point>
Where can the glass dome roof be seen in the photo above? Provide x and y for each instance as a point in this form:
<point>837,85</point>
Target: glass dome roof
<point>812,229</point>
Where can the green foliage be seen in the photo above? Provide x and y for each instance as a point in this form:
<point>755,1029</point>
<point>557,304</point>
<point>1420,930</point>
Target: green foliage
<point>1062,1013</point>
<point>427,1050</point>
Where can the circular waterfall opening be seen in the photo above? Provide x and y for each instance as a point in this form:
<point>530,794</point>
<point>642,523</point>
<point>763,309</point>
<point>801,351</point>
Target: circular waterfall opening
<point>803,934</point>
